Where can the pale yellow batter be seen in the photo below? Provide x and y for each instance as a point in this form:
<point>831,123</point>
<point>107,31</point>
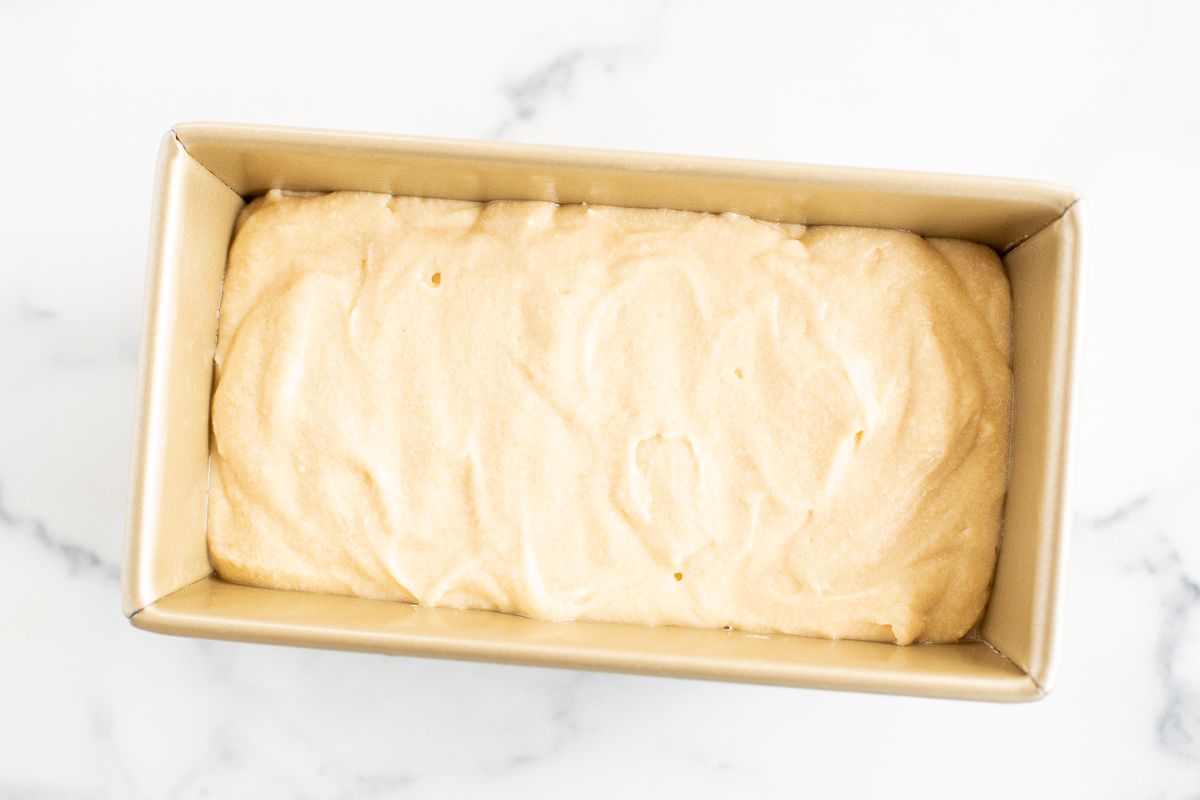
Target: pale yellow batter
<point>645,416</point>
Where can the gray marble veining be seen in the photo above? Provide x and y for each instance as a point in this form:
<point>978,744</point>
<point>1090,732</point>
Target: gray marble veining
<point>556,78</point>
<point>77,558</point>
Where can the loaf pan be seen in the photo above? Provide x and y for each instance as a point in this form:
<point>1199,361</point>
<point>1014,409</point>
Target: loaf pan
<point>207,172</point>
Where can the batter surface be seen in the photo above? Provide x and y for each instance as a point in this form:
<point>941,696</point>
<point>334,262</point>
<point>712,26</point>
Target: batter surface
<point>645,416</point>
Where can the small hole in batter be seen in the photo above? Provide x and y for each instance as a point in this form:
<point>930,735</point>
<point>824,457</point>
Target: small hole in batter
<point>678,576</point>
<point>728,627</point>
<point>436,279</point>
<point>858,438</point>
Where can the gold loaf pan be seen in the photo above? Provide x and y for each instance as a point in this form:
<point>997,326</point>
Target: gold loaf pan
<point>207,171</point>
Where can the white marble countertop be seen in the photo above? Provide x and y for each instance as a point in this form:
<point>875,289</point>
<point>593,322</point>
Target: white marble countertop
<point>1102,97</point>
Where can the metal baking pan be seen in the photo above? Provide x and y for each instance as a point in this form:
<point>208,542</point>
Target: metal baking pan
<point>206,173</point>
